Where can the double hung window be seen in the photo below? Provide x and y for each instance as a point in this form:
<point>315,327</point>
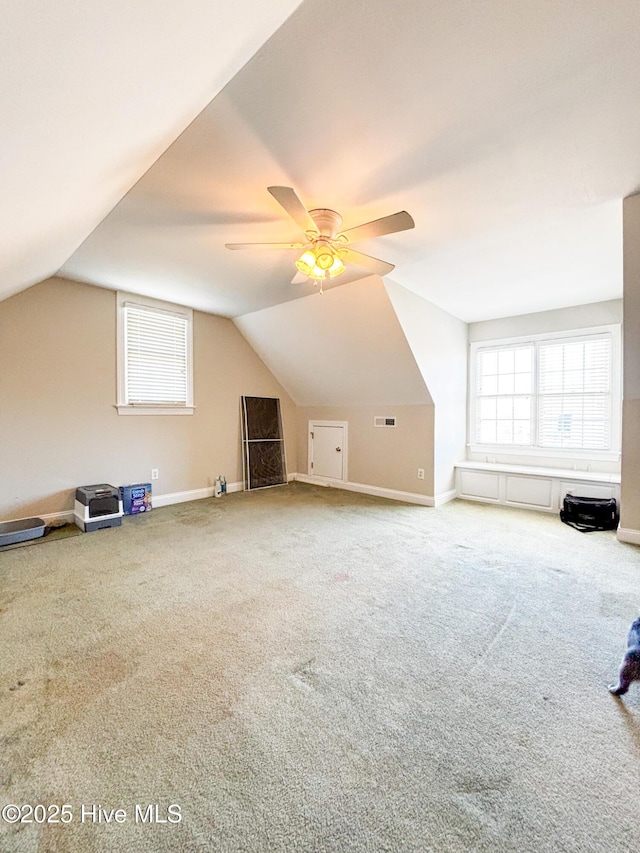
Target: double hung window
<point>559,393</point>
<point>155,362</point>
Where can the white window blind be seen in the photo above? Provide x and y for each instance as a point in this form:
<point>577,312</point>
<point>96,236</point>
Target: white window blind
<point>550,393</point>
<point>575,393</point>
<point>156,354</point>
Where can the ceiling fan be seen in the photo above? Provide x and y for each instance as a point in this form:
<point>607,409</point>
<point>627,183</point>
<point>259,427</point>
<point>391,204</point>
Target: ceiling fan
<point>326,247</point>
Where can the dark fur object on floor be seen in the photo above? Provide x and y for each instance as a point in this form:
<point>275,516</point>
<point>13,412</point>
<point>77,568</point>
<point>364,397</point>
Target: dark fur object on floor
<point>630,669</point>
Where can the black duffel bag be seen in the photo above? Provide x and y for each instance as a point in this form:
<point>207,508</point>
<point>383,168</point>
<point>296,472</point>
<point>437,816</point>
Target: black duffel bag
<point>587,514</point>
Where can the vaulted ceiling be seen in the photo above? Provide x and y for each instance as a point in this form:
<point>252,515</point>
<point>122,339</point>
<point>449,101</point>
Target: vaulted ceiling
<point>510,131</point>
<point>91,94</point>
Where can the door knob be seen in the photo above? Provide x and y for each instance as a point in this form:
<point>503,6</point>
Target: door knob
<point>338,449</point>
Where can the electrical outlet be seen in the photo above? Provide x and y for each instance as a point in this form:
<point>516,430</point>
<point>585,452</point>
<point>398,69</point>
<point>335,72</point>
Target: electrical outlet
<point>155,473</point>
<point>421,473</point>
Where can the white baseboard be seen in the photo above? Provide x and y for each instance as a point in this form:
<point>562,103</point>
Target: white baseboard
<point>624,534</point>
<point>57,519</point>
<point>376,491</point>
<point>445,497</point>
<point>190,495</point>
<point>158,501</point>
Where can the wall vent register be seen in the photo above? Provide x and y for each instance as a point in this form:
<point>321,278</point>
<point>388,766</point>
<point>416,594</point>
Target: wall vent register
<point>384,422</point>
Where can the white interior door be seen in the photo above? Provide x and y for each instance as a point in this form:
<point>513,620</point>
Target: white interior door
<point>328,450</point>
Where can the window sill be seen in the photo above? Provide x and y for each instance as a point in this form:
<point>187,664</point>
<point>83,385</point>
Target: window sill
<point>155,410</point>
<point>535,471</point>
<point>567,454</point>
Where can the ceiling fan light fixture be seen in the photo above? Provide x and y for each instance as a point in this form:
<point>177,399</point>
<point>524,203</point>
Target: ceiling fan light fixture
<point>320,262</point>
<point>336,269</point>
<point>324,258</point>
<point>306,262</point>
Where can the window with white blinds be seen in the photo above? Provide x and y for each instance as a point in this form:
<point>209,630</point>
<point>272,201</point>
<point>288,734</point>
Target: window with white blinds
<point>155,357</point>
<point>547,393</point>
<point>574,393</point>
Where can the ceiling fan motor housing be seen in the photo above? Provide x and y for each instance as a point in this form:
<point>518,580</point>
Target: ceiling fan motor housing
<point>328,222</point>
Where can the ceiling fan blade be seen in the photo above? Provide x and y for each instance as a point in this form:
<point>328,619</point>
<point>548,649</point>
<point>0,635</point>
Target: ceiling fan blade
<point>299,278</point>
<point>264,245</point>
<point>287,198</point>
<point>373,265</point>
<point>400,221</point>
<point>355,277</point>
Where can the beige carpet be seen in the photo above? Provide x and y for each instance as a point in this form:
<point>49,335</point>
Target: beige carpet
<point>304,669</point>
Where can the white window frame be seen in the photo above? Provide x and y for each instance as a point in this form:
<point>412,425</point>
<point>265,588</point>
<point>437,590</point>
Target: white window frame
<point>493,450</point>
<point>124,407</point>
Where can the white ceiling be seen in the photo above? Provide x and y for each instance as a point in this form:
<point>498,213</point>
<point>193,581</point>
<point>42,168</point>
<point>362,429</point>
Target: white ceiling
<point>91,94</point>
<point>307,343</point>
<point>510,131</point>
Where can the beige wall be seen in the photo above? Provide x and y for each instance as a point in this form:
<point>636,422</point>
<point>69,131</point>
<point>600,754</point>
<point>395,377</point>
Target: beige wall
<point>630,488</point>
<point>386,458</point>
<point>58,425</point>
<point>344,356</point>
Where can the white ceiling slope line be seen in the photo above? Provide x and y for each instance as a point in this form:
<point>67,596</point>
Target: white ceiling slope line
<point>89,101</point>
<point>344,348</point>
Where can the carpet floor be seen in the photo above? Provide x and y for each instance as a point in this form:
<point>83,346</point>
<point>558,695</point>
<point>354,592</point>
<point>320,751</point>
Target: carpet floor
<point>312,670</point>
